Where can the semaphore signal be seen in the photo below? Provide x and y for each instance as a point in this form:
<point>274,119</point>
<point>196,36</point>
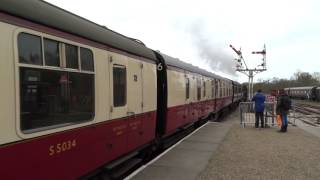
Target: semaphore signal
<point>247,71</point>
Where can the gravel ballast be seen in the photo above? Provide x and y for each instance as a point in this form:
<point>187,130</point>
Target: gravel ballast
<point>249,153</point>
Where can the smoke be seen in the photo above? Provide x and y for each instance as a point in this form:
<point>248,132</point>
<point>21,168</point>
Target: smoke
<point>212,51</point>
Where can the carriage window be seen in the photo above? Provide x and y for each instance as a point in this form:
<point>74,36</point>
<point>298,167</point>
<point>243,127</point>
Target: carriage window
<point>71,56</point>
<point>220,89</point>
<point>187,88</point>
<point>86,57</point>
<point>212,89</point>
<point>29,48</point>
<point>225,89</point>
<point>228,90</point>
<point>119,85</point>
<point>51,52</point>
<point>198,89</point>
<point>204,88</point>
<point>50,99</point>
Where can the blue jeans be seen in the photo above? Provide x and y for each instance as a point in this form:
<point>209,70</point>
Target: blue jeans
<point>284,122</point>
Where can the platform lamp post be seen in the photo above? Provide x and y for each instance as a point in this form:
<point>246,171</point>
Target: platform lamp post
<point>247,71</point>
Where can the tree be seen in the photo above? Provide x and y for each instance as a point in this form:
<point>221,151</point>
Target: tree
<point>316,76</point>
<point>304,79</point>
<point>298,79</point>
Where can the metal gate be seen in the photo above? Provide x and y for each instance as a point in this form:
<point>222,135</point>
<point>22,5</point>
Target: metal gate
<point>247,114</point>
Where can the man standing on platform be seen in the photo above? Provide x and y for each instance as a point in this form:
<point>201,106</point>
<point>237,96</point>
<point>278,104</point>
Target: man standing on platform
<point>283,107</point>
<point>259,100</point>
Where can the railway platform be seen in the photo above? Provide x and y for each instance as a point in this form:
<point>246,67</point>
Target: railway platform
<point>226,150</point>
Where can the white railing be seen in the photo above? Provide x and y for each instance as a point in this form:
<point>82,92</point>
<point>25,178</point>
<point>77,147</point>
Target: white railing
<point>247,114</point>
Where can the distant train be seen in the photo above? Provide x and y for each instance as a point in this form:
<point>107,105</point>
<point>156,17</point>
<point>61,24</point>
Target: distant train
<point>307,92</point>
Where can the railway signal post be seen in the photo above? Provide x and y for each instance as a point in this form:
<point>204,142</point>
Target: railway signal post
<point>250,72</point>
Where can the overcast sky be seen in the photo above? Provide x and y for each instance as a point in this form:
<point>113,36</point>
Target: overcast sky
<point>199,32</point>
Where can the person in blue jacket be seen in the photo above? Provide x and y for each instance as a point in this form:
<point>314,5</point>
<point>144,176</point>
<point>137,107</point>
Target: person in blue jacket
<point>259,100</point>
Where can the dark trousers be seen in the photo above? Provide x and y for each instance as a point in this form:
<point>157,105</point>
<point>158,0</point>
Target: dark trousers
<point>259,115</point>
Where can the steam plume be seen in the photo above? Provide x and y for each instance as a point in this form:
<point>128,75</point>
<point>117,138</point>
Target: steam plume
<point>211,51</point>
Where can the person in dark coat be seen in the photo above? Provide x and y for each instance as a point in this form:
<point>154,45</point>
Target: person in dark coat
<point>283,107</point>
<point>259,100</point>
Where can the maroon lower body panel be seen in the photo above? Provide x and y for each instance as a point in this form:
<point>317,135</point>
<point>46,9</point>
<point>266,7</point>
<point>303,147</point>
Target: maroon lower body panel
<point>179,116</point>
<point>223,102</point>
<point>73,153</point>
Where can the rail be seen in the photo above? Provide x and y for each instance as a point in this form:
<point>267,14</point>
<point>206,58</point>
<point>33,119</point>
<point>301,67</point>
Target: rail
<point>308,113</point>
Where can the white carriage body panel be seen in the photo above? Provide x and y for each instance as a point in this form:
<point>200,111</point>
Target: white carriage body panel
<point>207,88</point>
<point>102,85</point>
<point>7,79</point>
<point>176,88</point>
<point>193,88</point>
<point>134,87</point>
<point>149,87</point>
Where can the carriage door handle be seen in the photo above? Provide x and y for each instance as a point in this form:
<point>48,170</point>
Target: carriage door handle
<point>130,113</point>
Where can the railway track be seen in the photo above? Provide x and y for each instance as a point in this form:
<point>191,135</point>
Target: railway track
<point>310,113</point>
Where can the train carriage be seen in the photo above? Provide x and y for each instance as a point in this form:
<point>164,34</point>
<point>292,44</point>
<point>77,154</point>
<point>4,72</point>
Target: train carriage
<point>70,104</point>
<point>77,96</point>
<point>307,92</point>
<point>193,94</point>
<point>300,92</point>
<point>187,93</point>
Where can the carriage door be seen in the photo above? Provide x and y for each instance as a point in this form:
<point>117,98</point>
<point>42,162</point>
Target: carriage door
<point>118,86</point>
<point>118,78</point>
<point>135,103</point>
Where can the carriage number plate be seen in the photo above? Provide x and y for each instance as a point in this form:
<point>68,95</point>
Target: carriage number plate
<point>62,147</point>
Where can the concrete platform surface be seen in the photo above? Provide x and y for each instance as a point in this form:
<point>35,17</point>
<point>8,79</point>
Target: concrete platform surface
<point>190,157</point>
<point>227,151</point>
<point>249,153</point>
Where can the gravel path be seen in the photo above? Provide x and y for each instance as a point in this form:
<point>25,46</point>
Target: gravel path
<point>249,153</point>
